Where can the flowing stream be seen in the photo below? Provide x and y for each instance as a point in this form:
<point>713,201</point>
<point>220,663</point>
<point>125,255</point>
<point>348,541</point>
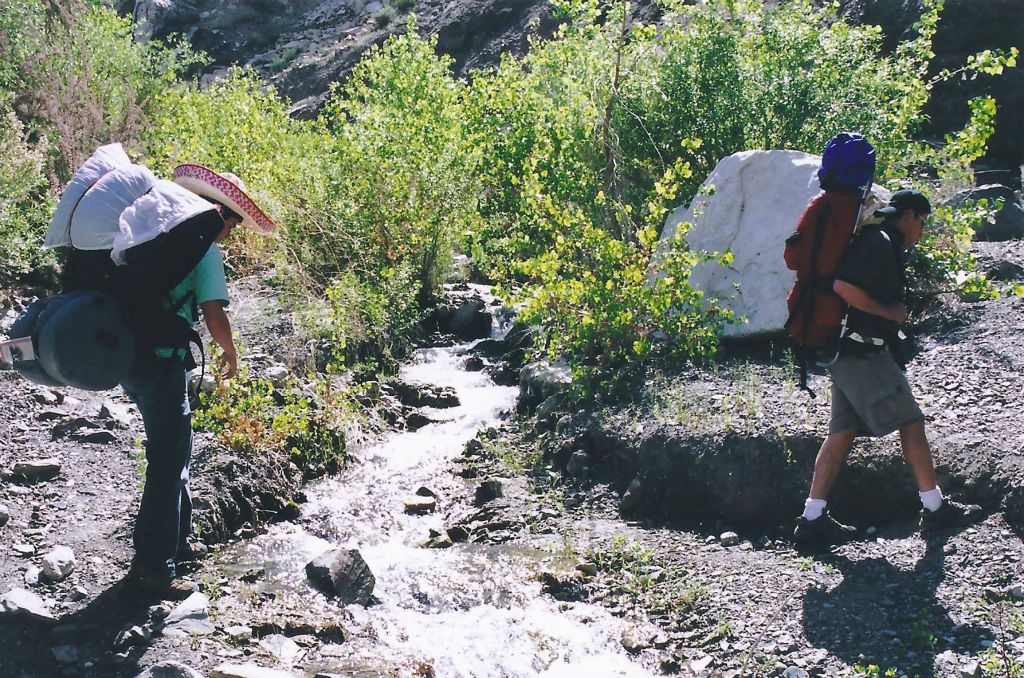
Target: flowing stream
<point>469,610</point>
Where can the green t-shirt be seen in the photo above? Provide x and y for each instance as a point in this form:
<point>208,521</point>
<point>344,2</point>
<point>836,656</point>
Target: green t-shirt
<point>206,282</point>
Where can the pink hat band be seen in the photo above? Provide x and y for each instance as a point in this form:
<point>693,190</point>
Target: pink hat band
<point>207,183</point>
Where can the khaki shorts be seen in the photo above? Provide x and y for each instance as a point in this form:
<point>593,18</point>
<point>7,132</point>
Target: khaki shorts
<point>871,394</point>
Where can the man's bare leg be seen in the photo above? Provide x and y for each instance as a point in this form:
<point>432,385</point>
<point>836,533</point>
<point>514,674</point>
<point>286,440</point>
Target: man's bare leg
<point>831,456</point>
<point>918,455</point>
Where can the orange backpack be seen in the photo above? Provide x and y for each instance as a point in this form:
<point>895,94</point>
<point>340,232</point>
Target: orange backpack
<point>814,252</point>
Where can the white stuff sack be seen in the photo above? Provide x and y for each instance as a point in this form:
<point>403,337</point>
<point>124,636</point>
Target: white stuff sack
<point>92,235</point>
<point>111,204</point>
<point>100,209</point>
<point>165,206</point>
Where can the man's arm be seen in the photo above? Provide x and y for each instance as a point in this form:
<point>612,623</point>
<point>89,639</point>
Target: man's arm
<point>220,329</point>
<point>862,301</point>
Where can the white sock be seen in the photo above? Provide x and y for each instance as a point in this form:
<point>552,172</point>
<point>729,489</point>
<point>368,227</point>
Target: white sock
<point>932,499</point>
<point>813,508</point>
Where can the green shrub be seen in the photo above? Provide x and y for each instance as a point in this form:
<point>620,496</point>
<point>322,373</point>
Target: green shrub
<point>282,61</point>
<point>367,322</point>
<point>403,168</point>
<point>80,75</point>
<point>248,416</point>
<point>239,125</point>
<point>599,303</point>
<point>403,5</point>
<point>384,17</point>
<point>579,135</point>
<point>24,202</point>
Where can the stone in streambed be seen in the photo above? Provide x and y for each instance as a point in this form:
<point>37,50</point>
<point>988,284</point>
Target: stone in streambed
<point>488,491</point>
<point>342,573</point>
<point>578,465</point>
<point>420,505</point>
<point>247,671</point>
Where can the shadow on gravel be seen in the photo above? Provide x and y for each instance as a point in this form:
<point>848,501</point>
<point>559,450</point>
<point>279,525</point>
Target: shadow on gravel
<point>884,615</point>
<point>83,640</point>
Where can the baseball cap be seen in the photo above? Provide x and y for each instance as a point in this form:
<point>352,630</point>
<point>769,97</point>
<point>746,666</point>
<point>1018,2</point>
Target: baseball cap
<point>903,200</point>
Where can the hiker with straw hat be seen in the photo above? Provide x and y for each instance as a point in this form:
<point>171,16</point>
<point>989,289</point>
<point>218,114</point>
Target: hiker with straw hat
<point>158,381</point>
<point>150,245</point>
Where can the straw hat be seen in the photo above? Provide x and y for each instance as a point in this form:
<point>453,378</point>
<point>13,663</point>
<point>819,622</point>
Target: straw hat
<point>225,188</point>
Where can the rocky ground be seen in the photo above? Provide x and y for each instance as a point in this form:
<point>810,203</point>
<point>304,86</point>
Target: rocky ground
<point>713,466</point>
<point>673,511</point>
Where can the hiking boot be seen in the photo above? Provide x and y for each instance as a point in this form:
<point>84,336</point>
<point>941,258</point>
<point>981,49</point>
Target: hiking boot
<point>950,514</point>
<point>146,583</point>
<point>192,550</point>
<point>823,530</point>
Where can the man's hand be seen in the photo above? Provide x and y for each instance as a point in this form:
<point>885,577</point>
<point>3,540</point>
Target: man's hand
<point>897,313</point>
<point>220,329</point>
<point>862,301</point>
<point>228,363</point>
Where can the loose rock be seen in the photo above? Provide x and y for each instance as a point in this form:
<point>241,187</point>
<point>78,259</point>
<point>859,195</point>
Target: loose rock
<point>37,469</point>
<point>59,563</point>
<point>116,412</point>
<point>344,573</point>
<point>190,617</point>
<point>97,437</point>
<point>19,602</point>
<point>169,669</point>
<point>247,671</point>
<point>281,646</point>
<point>729,539</point>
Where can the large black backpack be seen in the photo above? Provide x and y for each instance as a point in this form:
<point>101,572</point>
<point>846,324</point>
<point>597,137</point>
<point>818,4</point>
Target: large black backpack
<point>91,334</point>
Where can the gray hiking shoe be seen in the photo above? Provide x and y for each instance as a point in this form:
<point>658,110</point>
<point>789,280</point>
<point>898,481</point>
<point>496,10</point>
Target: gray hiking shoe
<point>823,530</point>
<point>950,514</point>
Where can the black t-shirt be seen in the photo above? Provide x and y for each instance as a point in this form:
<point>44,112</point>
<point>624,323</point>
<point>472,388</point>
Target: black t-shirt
<point>874,263</point>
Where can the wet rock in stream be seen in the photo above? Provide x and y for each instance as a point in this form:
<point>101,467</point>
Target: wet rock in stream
<point>342,573</point>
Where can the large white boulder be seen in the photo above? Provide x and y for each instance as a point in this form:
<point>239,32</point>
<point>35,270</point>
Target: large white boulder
<point>749,205</point>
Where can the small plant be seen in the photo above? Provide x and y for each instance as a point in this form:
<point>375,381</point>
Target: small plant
<point>872,671</point>
<point>622,554</point>
<point>1008,622</point>
<point>921,635</point>
<point>385,17</point>
<point>403,5</point>
<point>282,61</point>
<point>688,597</point>
<point>139,451</point>
<point>249,416</point>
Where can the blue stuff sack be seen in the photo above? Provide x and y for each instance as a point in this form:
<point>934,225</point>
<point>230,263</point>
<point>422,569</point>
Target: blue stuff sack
<point>79,339</point>
<point>848,162</point>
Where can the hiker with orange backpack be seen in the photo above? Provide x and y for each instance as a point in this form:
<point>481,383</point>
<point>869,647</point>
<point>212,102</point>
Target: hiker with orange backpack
<point>859,291</point>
